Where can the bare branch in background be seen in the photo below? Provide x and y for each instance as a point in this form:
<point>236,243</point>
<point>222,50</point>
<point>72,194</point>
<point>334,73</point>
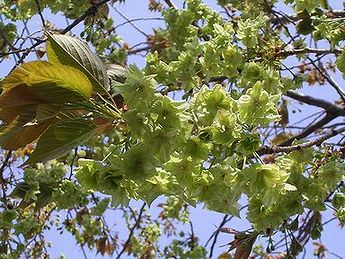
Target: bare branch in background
<point>170,4</point>
<point>329,79</point>
<point>329,107</point>
<point>215,234</point>
<point>139,19</point>
<point>286,53</point>
<point>130,22</point>
<point>287,149</point>
<point>40,13</point>
<point>131,232</point>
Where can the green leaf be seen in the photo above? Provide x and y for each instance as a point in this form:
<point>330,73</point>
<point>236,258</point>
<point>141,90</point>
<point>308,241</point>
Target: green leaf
<point>338,200</point>
<point>24,124</point>
<point>27,97</point>
<point>87,173</point>
<point>295,248</point>
<point>28,194</point>
<point>341,62</point>
<point>116,72</point>
<point>54,83</point>
<point>6,218</point>
<point>60,139</point>
<point>67,50</point>
<point>305,26</point>
<point>324,4</point>
<point>100,208</point>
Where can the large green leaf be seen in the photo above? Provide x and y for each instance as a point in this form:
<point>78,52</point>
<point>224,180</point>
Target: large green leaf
<point>48,82</point>
<point>116,73</point>
<point>67,50</point>
<point>61,138</point>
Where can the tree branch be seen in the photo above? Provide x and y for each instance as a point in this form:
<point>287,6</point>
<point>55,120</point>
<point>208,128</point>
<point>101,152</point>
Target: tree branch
<point>192,236</point>
<point>288,18</point>
<point>216,233</point>
<point>136,51</point>
<point>286,53</point>
<point>278,149</point>
<point>311,129</point>
<point>3,182</point>
<point>40,13</point>
<point>130,22</point>
<point>131,232</point>
<point>5,164</point>
<point>170,4</point>
<point>329,107</point>
<point>329,79</point>
<point>332,112</point>
<point>91,11</point>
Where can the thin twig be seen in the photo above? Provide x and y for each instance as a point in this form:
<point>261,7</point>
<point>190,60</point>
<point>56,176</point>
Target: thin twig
<point>216,233</point>
<point>329,79</point>
<point>72,162</point>
<point>192,236</point>
<point>40,13</point>
<point>170,4</point>
<point>91,11</point>
<point>139,19</point>
<point>336,255</point>
<point>131,232</point>
<point>286,53</point>
<point>136,51</point>
<point>5,163</point>
<point>130,22</point>
<point>83,250</point>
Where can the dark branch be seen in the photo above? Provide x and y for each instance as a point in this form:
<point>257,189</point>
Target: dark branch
<point>131,232</point>
<point>40,13</point>
<point>318,141</point>
<point>329,107</point>
<point>89,12</point>
<point>329,79</point>
<point>332,111</point>
<point>286,18</point>
<point>216,233</point>
<point>311,129</point>
<point>286,53</point>
<point>170,4</point>
<point>5,164</point>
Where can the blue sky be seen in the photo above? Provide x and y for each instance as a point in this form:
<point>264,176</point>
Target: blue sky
<point>204,221</point>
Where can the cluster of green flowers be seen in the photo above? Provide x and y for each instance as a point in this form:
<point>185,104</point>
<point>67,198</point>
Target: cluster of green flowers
<point>197,152</point>
<point>201,150</point>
